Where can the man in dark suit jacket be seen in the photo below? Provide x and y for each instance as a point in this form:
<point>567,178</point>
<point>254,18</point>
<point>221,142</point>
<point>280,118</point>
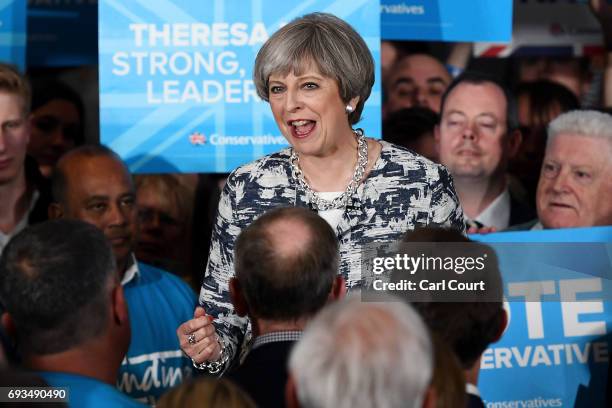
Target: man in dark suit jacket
<point>469,324</point>
<point>477,136</point>
<point>286,270</point>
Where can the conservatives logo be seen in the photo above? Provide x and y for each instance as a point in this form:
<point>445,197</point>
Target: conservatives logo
<point>402,8</point>
<point>198,139</point>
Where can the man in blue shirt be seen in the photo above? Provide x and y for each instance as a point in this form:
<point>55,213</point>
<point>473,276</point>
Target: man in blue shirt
<point>92,184</point>
<point>66,309</point>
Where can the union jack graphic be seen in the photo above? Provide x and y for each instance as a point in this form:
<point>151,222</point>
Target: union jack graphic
<point>197,139</point>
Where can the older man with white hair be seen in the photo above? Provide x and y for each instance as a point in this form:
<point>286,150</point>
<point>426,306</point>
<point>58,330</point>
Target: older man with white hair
<point>575,187</point>
<point>356,354</point>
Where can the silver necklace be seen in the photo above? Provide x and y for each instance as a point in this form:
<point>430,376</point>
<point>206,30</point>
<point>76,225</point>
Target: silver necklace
<point>320,204</point>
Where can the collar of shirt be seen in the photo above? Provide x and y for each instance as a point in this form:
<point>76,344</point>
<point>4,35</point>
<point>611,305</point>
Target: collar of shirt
<point>472,389</point>
<point>497,214</point>
<point>131,272</point>
<point>537,227</point>
<point>276,337</point>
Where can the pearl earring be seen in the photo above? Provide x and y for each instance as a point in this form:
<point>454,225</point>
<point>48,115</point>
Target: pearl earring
<point>349,109</point>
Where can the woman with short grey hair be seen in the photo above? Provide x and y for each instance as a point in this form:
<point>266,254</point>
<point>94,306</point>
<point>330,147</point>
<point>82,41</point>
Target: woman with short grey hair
<point>327,44</point>
<point>317,73</point>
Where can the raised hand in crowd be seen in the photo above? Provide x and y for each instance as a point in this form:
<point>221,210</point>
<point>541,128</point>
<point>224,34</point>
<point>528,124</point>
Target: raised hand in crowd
<point>198,338</point>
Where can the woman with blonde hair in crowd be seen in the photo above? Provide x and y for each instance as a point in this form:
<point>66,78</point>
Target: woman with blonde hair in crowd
<point>206,392</point>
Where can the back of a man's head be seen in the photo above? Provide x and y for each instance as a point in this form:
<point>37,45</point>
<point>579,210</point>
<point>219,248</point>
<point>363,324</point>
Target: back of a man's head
<point>286,263</point>
<point>358,354</point>
<point>55,280</point>
<point>470,325</point>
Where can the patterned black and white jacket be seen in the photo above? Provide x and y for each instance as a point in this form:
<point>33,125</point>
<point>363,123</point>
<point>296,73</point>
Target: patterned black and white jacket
<point>402,191</point>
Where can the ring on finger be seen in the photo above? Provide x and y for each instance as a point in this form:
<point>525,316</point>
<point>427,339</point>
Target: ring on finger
<point>191,339</point>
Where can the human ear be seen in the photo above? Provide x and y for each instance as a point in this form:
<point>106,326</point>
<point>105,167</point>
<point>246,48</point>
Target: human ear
<point>241,306</point>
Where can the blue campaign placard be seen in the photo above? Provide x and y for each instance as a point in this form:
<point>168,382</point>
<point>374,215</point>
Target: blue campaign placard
<point>176,89</point>
<point>558,291</point>
<point>13,32</point>
<point>446,20</point>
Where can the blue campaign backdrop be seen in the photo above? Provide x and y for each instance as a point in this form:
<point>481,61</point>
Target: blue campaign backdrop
<point>176,93</point>
<point>555,351</point>
<point>13,32</point>
<point>446,20</point>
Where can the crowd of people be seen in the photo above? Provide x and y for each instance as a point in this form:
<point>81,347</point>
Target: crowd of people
<point>97,289</point>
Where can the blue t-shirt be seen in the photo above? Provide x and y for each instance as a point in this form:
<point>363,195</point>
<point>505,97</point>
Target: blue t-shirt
<point>158,302</point>
<point>87,392</point>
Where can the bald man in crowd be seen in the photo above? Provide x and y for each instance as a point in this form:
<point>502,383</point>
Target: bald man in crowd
<point>286,271</point>
<point>92,184</point>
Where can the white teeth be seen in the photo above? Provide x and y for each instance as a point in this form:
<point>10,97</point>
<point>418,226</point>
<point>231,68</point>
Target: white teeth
<point>299,122</point>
